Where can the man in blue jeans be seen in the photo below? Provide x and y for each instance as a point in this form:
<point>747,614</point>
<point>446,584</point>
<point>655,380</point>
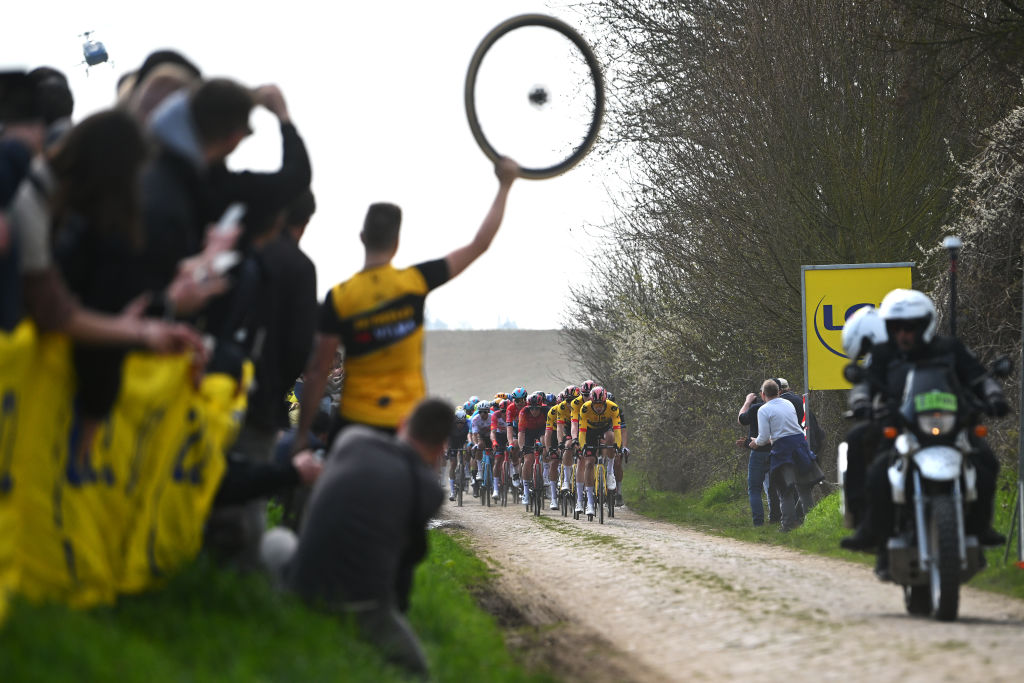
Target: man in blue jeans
<point>757,468</point>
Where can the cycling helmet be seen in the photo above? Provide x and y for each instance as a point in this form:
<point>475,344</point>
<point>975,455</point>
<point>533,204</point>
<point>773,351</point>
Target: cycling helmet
<point>862,330</point>
<point>460,415</point>
<point>550,399</point>
<point>470,405</point>
<point>535,401</point>
<point>518,394</point>
<point>598,395</point>
<point>500,394</point>
<point>483,406</point>
<point>587,387</point>
<point>572,392</point>
<point>611,396</point>
<point>500,404</point>
<point>909,304</point>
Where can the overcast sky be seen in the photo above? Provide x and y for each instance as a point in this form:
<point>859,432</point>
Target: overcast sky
<point>376,91</point>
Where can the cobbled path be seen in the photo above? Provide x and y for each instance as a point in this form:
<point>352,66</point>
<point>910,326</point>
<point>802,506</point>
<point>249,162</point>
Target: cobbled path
<point>679,605</point>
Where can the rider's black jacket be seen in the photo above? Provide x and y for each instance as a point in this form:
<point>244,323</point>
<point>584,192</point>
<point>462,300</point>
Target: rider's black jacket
<point>887,367</point>
<point>459,435</point>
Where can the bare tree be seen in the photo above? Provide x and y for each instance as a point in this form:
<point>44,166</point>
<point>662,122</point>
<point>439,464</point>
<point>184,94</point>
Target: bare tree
<point>766,135</point>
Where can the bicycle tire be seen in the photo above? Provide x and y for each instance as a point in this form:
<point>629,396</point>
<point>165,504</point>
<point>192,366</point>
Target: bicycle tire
<point>538,487</point>
<point>504,483</point>
<point>469,92</point>
<point>600,482</point>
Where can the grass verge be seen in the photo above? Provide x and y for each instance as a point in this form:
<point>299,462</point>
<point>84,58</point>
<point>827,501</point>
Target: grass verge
<point>722,509</point>
<point>211,625</point>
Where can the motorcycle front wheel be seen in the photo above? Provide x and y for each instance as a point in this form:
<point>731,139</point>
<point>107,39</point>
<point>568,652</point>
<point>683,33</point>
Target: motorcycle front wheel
<point>945,561</point>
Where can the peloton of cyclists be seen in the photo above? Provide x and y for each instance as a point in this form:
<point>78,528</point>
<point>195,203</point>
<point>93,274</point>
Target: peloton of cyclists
<point>515,422</point>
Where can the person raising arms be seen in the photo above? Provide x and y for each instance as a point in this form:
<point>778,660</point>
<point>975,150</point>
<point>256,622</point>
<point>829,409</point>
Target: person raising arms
<point>377,315</point>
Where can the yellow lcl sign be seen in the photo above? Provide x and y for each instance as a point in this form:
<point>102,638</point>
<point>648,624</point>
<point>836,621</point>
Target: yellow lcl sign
<point>830,295</point>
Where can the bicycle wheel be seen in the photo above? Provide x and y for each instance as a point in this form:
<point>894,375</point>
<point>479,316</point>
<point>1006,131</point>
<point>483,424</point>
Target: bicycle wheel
<point>538,488</point>
<point>460,483</point>
<point>551,129</point>
<point>505,482</point>
<point>563,501</point>
<point>600,483</point>
<point>486,483</point>
<point>484,497</point>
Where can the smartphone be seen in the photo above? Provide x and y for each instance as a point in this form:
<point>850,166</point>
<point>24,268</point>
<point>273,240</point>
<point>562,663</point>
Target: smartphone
<point>231,216</point>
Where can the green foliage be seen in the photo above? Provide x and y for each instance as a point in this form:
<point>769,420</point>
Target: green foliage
<point>763,136</point>
<point>275,513</point>
<point>212,625</point>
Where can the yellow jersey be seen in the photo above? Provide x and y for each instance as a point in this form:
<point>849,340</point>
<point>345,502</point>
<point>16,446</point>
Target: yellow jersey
<point>599,423</point>
<point>378,314</point>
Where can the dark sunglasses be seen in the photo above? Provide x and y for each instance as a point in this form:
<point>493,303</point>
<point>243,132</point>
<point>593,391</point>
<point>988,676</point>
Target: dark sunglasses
<point>904,325</point>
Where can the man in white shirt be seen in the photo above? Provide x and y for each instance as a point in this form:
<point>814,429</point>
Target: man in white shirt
<point>790,457</point>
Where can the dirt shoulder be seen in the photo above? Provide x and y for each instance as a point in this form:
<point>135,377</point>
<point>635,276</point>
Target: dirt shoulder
<point>681,605</point>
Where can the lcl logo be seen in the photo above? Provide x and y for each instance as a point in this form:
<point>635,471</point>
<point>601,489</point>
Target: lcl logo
<point>827,316</point>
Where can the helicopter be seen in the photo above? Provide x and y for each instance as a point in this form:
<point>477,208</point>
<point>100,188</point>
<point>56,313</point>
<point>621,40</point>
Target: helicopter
<point>93,51</point>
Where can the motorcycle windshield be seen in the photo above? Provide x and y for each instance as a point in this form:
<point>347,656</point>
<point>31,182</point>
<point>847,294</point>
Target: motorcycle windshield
<point>928,390</point>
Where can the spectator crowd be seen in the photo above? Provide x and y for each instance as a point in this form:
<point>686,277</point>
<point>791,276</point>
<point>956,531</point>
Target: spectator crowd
<point>155,314</point>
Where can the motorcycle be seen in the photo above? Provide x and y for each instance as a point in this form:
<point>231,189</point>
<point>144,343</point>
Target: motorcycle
<point>932,480</point>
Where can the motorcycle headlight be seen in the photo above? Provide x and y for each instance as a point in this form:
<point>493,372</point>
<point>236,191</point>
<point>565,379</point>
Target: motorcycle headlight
<point>936,424</point>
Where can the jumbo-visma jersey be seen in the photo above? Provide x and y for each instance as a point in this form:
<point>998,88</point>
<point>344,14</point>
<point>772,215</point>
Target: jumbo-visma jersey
<point>378,313</point>
<point>596,425</point>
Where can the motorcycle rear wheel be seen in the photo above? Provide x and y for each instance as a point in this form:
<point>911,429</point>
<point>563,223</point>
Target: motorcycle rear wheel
<point>918,600</point>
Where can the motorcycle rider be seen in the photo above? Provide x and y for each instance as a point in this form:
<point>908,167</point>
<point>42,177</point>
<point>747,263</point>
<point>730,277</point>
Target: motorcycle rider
<point>910,321</point>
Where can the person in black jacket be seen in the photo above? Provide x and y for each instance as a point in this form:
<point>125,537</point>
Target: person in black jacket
<point>758,465</point>
<point>194,131</point>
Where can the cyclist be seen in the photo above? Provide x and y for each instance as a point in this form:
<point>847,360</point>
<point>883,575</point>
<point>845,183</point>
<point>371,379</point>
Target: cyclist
<point>480,434</point>
<point>499,437</point>
<point>532,422</point>
<point>564,435</point>
<point>622,457</point>
<point>456,442</point>
<point>574,428</point>
<point>577,403</point>
<point>517,401</point>
<point>551,447</point>
<point>598,426</point>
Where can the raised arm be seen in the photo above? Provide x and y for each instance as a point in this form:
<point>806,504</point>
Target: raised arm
<point>507,171</point>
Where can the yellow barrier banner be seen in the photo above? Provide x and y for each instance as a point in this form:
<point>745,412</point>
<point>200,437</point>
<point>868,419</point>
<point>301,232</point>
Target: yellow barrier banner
<point>123,517</point>
<point>830,295</point>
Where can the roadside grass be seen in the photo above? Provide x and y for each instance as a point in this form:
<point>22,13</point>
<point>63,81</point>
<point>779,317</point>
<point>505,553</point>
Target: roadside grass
<point>212,625</point>
<point>722,509</point>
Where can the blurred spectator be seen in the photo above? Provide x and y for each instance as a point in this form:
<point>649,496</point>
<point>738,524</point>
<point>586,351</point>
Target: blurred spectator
<point>758,464</point>
<point>365,529</point>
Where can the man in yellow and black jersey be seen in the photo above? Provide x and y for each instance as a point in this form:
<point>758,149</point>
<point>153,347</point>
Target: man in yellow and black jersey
<point>598,426</point>
<point>377,316</point>
<point>577,403</point>
<point>563,432</point>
